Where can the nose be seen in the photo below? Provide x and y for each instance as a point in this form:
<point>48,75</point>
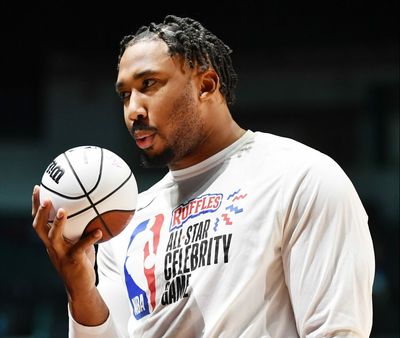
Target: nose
<point>136,108</point>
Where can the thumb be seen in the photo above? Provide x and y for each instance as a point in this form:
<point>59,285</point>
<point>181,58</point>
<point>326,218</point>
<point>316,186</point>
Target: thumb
<point>86,242</point>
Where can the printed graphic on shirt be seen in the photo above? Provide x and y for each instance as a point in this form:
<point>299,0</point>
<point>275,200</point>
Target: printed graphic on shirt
<point>142,291</point>
<point>231,209</point>
<point>200,235</point>
<point>194,208</point>
<point>199,243</point>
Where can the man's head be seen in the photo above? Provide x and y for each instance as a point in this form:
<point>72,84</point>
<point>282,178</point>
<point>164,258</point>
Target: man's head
<point>175,80</point>
<point>197,45</point>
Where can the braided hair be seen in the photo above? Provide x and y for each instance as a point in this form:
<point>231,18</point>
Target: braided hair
<point>198,46</point>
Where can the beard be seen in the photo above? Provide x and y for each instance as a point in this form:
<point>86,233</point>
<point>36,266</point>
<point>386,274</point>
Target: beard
<point>187,132</point>
<point>156,161</point>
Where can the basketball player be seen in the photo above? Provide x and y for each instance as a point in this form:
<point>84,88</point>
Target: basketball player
<point>248,235</point>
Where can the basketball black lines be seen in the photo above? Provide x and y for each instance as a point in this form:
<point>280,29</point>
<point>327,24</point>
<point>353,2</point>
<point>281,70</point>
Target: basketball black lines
<point>87,195</point>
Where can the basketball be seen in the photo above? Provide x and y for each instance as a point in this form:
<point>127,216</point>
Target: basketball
<point>96,188</point>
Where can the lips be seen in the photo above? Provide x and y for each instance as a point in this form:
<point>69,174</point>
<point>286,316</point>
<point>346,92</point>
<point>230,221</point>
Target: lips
<point>144,138</point>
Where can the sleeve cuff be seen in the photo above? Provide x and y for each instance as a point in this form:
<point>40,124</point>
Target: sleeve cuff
<point>77,330</point>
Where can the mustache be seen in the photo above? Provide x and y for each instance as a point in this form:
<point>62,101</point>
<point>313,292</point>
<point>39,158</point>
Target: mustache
<point>141,125</point>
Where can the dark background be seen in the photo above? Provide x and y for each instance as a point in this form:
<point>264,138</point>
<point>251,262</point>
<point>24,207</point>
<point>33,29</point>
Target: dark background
<point>326,74</point>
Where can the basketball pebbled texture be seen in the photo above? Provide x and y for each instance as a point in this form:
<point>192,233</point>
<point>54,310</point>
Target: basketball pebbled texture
<point>95,187</point>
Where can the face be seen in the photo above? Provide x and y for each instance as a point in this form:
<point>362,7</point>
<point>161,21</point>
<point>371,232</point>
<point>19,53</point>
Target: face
<point>160,106</point>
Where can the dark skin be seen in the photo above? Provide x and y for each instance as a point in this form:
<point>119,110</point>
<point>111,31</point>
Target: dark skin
<point>182,109</point>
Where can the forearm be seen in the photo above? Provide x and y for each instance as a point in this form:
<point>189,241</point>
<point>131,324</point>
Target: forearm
<point>92,315</point>
<point>88,307</point>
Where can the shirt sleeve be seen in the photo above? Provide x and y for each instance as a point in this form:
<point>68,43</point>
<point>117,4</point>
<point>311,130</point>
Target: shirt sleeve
<point>113,292</point>
<point>327,253</point>
<point>77,330</point>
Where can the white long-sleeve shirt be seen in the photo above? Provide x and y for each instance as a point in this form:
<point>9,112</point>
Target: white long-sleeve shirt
<point>267,238</point>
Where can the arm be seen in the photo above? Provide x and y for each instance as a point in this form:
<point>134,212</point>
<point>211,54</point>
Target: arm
<point>328,255</point>
<point>74,263</point>
<point>113,292</point>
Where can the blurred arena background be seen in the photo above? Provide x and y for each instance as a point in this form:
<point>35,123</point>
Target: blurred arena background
<point>325,74</point>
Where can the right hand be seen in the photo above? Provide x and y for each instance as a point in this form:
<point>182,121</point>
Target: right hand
<point>74,262</point>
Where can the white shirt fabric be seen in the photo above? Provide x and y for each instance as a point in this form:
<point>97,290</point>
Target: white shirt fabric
<point>267,238</point>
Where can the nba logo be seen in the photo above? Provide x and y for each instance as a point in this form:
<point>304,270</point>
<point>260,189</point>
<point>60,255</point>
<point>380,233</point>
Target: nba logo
<point>140,264</point>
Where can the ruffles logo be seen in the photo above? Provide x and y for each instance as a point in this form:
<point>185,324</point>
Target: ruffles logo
<point>195,207</point>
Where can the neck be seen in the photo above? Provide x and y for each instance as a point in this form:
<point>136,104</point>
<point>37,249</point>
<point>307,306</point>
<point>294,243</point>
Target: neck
<point>225,132</point>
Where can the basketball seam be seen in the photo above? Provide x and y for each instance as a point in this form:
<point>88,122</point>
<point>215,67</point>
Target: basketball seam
<point>104,198</point>
<point>89,192</point>
<point>86,194</point>
<point>111,210</point>
<point>61,195</point>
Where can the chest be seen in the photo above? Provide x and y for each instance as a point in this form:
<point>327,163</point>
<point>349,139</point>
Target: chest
<point>176,243</point>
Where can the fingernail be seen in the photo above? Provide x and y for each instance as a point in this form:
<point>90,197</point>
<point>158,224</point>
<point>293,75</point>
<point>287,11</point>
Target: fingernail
<point>35,188</point>
<point>60,213</point>
<point>44,203</point>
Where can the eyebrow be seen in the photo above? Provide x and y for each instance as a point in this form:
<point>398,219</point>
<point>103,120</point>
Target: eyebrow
<point>137,76</point>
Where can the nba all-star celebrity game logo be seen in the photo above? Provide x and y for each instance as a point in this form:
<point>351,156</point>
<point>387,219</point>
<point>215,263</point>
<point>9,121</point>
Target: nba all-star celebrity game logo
<point>200,235</point>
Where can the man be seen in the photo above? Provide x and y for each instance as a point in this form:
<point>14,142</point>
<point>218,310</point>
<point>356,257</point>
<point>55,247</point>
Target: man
<point>248,235</point>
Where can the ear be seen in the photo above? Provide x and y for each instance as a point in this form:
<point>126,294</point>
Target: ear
<point>209,84</point>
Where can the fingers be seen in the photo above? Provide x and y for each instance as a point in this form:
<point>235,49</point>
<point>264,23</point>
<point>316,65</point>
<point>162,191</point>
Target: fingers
<point>35,200</point>
<point>50,235</point>
<point>40,221</point>
<point>55,234</point>
<point>85,243</point>
<point>73,261</point>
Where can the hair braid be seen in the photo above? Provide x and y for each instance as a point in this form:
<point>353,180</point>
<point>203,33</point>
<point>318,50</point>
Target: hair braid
<point>188,38</point>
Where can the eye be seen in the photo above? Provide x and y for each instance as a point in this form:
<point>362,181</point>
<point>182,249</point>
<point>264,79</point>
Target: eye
<point>148,83</point>
<point>124,95</point>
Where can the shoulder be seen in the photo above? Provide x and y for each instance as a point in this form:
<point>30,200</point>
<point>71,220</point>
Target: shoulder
<point>301,167</point>
<point>290,157</point>
<point>284,147</point>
